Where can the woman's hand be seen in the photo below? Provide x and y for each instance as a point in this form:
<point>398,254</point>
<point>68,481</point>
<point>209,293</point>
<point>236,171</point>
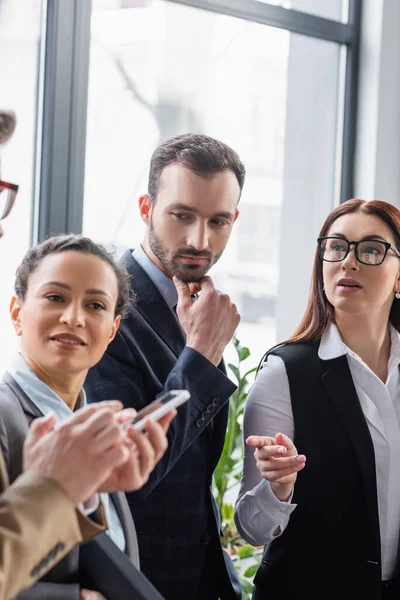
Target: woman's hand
<point>90,595</point>
<point>91,439</point>
<point>278,462</point>
<point>145,450</point>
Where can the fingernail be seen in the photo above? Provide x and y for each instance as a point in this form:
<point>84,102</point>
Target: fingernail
<point>281,450</point>
<point>300,458</point>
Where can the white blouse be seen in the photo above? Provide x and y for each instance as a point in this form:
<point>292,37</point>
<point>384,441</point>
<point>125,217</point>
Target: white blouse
<point>268,410</point>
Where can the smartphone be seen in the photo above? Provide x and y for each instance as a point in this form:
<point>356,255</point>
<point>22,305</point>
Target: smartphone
<point>159,407</point>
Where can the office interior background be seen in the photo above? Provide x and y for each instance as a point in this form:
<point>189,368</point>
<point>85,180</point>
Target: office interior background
<point>306,91</point>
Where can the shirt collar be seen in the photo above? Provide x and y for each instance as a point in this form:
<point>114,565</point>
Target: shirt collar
<point>332,346</point>
<point>39,393</point>
<point>394,359</point>
<point>163,283</point>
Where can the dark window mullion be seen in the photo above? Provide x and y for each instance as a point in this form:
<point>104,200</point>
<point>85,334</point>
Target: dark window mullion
<point>276,16</point>
<point>350,104</point>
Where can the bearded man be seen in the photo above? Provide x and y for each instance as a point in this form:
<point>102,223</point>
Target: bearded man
<point>173,338</point>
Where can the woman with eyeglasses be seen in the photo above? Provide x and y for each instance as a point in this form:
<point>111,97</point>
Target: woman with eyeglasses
<point>321,482</point>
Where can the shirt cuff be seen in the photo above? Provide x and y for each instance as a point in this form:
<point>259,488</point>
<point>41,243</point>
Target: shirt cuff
<point>260,516</point>
<point>266,498</point>
<point>90,506</point>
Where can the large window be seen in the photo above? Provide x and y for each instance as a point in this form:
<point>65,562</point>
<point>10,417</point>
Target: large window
<point>274,79</point>
<point>329,9</point>
<point>158,69</point>
<point>20,32</point>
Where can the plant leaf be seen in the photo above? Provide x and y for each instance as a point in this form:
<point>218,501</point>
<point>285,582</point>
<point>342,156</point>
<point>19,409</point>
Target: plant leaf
<point>246,551</point>
<point>227,512</point>
<point>249,372</point>
<point>244,353</point>
<point>234,370</point>
<point>251,571</point>
<point>247,586</point>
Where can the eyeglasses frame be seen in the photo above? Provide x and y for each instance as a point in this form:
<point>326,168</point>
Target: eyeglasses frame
<point>388,246</point>
<point>9,186</point>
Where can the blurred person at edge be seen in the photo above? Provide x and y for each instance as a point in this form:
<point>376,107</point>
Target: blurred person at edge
<point>329,517</point>
<point>44,512</point>
<point>171,340</point>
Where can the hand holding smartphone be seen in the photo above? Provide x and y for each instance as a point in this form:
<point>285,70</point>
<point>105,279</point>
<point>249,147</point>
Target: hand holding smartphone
<point>159,407</point>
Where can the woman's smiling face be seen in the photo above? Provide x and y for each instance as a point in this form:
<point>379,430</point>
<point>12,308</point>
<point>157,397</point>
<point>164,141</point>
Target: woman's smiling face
<point>354,287</point>
<point>68,317</point>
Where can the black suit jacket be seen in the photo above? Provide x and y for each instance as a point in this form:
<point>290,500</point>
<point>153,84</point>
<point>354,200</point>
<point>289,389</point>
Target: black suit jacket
<point>331,546</point>
<point>175,515</point>
<point>16,413</point>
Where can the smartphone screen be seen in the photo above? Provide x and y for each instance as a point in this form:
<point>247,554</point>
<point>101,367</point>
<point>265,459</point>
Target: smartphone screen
<point>161,406</point>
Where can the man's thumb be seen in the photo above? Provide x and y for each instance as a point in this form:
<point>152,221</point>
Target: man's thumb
<point>40,427</point>
<point>182,288</point>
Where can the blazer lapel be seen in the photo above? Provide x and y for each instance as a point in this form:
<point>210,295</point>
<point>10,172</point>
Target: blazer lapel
<point>29,408</point>
<point>121,505</point>
<point>152,306</point>
<point>340,387</point>
<point>32,412</point>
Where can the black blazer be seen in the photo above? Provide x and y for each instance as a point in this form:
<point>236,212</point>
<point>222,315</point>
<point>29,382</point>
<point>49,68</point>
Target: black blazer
<point>331,546</point>
<point>17,411</point>
<point>176,519</point>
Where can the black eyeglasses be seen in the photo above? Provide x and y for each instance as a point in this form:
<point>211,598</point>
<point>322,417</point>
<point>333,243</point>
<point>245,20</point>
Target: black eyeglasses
<point>368,252</point>
<point>8,193</point>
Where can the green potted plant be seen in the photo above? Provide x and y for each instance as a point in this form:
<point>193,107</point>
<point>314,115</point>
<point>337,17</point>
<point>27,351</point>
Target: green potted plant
<point>228,473</point>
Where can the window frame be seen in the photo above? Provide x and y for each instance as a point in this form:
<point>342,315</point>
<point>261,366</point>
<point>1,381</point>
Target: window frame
<point>66,48</point>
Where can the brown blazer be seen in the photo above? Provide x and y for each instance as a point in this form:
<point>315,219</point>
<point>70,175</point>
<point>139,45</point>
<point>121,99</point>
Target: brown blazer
<point>39,525</point>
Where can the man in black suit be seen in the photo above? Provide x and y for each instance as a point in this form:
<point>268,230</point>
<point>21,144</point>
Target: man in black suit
<point>171,340</point>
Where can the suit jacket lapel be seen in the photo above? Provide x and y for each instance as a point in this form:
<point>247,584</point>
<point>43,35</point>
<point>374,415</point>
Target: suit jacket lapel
<point>124,514</point>
<point>340,387</point>
<point>29,408</point>
<point>152,306</point>
<point>32,412</point>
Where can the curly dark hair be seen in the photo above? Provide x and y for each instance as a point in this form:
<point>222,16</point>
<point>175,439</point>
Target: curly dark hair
<point>75,243</point>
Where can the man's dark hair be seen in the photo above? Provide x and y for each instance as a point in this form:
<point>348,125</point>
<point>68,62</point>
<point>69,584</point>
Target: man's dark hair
<point>75,243</point>
<point>201,154</point>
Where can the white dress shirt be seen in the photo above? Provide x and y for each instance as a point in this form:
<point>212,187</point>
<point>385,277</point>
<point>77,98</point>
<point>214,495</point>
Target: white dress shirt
<point>268,411</point>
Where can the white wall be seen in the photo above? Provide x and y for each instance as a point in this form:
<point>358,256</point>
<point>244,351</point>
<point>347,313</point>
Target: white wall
<point>310,182</point>
<point>377,166</point>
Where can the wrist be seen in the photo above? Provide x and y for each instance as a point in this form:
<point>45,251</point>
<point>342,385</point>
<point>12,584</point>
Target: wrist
<point>282,491</point>
<point>213,356</point>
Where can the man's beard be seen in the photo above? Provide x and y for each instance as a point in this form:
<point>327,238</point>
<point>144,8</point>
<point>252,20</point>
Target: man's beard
<point>189,273</point>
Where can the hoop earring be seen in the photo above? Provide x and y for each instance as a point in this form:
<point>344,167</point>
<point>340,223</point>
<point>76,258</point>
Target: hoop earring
<point>397,295</point>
